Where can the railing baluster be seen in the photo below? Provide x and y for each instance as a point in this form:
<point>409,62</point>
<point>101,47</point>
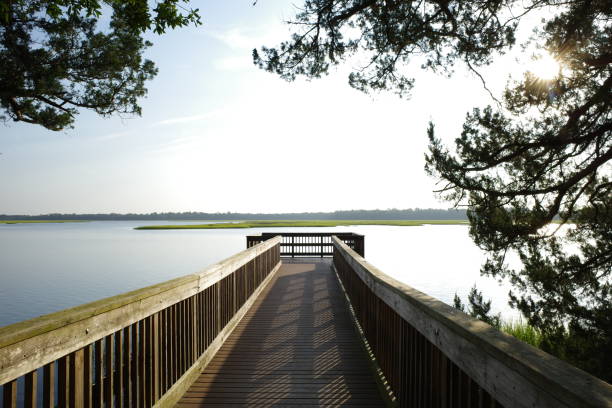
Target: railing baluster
<point>98,388</point>
<point>134,386</point>
<point>155,352</point>
<point>187,332</point>
<point>48,396</point>
<point>163,331</point>
<point>119,362</point>
<point>63,382</point>
<point>142,374</point>
<point>9,394</point>
<point>148,344</point>
<point>309,243</point>
<point>210,314</point>
<point>181,339</point>
<point>127,367</point>
<point>193,331</point>
<point>31,384</point>
<point>172,341</point>
<point>87,376</point>
<point>108,370</point>
<point>76,377</point>
<point>200,322</point>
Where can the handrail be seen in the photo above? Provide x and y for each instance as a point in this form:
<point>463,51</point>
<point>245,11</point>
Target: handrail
<point>309,244</point>
<point>146,340</point>
<point>434,355</point>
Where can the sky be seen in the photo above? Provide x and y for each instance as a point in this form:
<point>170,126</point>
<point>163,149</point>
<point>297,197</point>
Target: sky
<point>218,134</point>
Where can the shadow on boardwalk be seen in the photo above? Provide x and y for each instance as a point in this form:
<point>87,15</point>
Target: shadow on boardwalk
<point>295,347</point>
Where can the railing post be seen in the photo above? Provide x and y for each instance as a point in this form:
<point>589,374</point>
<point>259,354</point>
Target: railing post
<point>359,245</point>
<point>321,237</point>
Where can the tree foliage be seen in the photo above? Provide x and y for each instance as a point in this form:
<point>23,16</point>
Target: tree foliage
<point>390,214</point>
<point>478,308</point>
<point>542,154</point>
<point>56,59</point>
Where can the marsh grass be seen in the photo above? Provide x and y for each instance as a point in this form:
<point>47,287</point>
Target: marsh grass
<point>522,331</point>
<point>313,223</point>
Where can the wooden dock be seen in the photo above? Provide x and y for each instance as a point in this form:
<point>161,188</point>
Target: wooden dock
<point>297,346</point>
<point>259,330</point>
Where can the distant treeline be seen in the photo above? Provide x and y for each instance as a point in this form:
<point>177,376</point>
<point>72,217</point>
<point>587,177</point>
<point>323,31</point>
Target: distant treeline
<point>391,214</point>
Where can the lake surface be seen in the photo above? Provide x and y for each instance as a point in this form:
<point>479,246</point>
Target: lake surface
<point>49,267</point>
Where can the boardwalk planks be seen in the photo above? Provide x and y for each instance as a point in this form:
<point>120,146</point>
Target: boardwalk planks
<point>296,346</point>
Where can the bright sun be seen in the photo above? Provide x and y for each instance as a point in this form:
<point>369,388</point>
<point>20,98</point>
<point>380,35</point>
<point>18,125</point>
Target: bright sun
<point>545,67</point>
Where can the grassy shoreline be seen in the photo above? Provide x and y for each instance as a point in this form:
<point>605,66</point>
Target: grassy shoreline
<point>304,223</point>
<point>39,221</point>
<point>521,330</point>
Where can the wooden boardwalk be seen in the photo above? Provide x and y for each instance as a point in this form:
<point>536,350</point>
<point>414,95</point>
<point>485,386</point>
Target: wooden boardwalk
<point>295,347</point>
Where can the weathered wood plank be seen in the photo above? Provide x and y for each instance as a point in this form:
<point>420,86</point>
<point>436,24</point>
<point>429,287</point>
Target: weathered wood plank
<point>311,357</point>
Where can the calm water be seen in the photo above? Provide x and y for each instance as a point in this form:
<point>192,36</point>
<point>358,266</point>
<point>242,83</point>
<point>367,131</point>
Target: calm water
<point>49,267</point>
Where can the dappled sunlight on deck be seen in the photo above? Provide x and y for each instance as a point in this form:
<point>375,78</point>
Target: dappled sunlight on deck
<point>296,346</point>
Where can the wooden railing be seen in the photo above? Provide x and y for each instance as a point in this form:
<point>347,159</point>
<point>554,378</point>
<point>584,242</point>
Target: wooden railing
<point>139,349</point>
<point>433,355</point>
<point>310,244</point>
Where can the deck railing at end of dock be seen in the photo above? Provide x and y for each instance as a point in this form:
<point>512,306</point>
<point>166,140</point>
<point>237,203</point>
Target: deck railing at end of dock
<point>310,244</point>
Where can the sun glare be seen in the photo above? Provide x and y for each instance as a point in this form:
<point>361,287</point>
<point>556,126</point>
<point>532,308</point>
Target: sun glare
<point>545,67</point>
